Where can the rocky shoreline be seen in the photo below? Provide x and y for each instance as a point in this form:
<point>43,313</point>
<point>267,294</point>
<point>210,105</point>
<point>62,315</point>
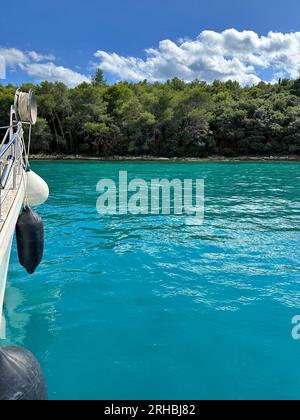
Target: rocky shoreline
<point>163,159</point>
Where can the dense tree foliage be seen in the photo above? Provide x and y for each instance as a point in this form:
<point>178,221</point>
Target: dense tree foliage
<point>164,119</point>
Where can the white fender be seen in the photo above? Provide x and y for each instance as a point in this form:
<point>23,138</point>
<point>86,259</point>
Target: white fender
<point>37,190</point>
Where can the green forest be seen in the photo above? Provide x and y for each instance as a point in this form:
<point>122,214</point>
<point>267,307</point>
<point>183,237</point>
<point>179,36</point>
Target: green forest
<point>171,119</point>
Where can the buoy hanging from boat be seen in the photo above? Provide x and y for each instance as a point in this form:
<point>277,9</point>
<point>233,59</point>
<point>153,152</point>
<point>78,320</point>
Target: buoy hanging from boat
<point>30,239</point>
<point>37,190</point>
<point>21,376</point>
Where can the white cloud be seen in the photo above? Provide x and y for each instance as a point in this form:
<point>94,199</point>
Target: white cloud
<point>212,55</point>
<point>13,56</point>
<point>243,56</point>
<point>53,73</point>
<point>40,67</point>
<point>40,57</point>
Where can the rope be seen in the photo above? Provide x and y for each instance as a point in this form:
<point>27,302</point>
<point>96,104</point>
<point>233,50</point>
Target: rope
<point>24,110</point>
<point>28,149</point>
<point>24,171</point>
<point>26,107</point>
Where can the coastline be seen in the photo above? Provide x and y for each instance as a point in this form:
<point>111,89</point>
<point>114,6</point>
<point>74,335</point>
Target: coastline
<point>212,159</point>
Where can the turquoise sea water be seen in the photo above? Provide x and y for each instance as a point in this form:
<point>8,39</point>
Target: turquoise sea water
<point>146,307</point>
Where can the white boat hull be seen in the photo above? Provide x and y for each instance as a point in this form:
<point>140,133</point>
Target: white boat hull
<point>10,216</point>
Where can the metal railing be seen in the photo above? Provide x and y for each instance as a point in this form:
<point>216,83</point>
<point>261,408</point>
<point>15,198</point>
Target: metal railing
<point>11,162</point>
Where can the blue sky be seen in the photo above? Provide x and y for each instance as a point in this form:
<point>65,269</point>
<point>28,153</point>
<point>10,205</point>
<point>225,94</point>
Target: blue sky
<point>66,35</point>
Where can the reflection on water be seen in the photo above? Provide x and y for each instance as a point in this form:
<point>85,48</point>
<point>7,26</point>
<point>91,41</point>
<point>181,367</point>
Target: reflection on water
<point>16,319</point>
<point>148,307</point>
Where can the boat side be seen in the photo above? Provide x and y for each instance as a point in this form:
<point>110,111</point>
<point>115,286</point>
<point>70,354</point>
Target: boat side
<point>10,212</point>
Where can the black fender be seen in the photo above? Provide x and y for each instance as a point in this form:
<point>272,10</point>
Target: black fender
<point>21,376</point>
<point>30,239</point>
